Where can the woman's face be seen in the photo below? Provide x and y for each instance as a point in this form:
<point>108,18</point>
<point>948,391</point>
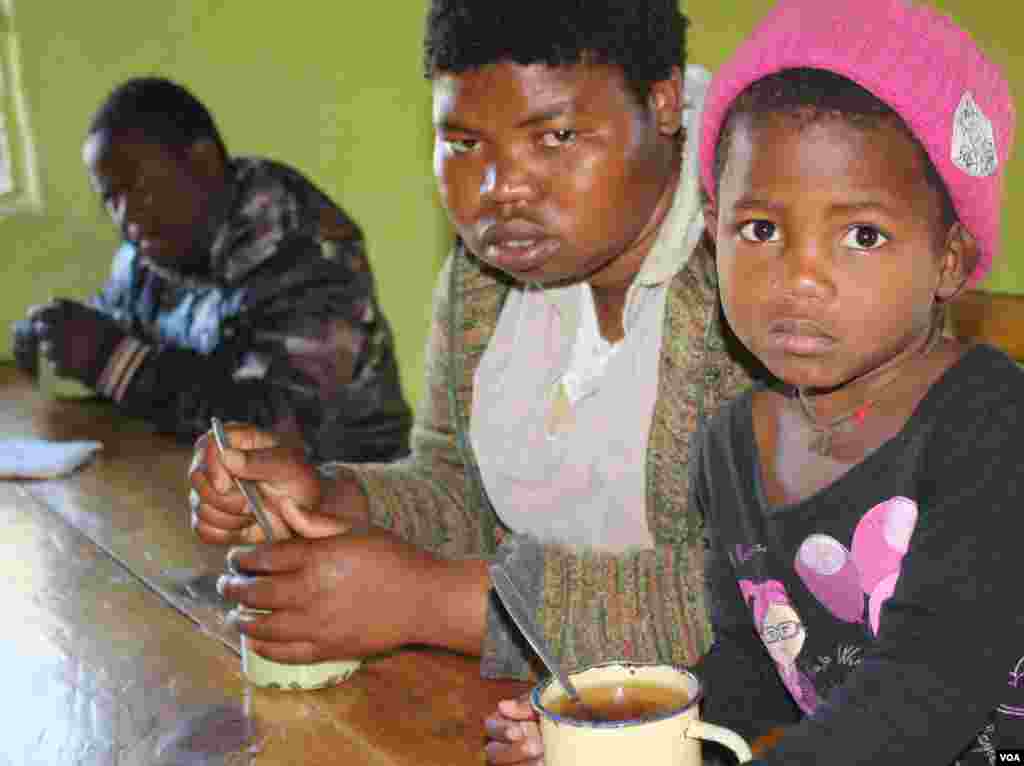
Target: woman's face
<point>555,174</point>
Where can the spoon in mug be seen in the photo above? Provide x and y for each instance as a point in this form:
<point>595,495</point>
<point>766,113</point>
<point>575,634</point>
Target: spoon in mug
<point>516,606</point>
<point>246,487</point>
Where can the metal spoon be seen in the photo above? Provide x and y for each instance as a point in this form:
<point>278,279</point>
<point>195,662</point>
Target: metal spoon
<point>516,606</point>
<point>245,486</point>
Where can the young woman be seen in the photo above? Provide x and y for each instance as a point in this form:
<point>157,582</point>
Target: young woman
<point>575,349</point>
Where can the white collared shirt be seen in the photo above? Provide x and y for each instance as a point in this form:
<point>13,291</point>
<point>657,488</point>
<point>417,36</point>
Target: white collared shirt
<point>560,417</point>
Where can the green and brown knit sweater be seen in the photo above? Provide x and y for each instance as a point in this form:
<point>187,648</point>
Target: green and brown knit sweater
<point>644,605</point>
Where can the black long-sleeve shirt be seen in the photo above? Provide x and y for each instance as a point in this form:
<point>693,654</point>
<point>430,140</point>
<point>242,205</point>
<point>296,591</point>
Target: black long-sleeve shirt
<point>881,617</point>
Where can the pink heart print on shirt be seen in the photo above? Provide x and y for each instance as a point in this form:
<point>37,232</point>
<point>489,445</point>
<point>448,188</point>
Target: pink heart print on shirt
<point>840,578</point>
<point>828,571</point>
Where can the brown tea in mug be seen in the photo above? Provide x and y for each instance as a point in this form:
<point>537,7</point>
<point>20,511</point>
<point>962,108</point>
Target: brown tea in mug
<point>620,702</point>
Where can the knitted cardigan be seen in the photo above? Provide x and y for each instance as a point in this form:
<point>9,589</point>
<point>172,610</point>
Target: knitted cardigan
<point>643,605</point>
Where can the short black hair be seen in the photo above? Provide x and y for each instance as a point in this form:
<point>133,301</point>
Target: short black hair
<point>163,111</point>
<point>646,38</point>
<point>810,95</point>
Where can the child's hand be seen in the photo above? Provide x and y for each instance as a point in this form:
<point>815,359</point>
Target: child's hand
<point>513,735</point>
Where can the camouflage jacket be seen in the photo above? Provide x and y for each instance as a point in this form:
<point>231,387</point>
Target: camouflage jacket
<point>284,331</point>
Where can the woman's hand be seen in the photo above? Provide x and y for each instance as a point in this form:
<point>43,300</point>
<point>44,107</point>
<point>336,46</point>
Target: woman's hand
<point>513,734</point>
<point>334,598</point>
<point>297,499</point>
<point>326,595</point>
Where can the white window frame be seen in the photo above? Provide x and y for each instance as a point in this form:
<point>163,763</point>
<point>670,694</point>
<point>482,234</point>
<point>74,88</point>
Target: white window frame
<point>20,190</point>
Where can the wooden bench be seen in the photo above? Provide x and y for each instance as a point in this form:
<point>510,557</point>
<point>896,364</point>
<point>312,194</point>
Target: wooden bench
<point>995,318</point>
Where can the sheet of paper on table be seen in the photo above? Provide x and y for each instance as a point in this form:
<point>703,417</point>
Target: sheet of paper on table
<point>43,459</point>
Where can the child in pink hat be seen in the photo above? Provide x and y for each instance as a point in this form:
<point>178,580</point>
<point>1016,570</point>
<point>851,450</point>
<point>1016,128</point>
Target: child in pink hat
<point>853,155</point>
<point>863,520</point>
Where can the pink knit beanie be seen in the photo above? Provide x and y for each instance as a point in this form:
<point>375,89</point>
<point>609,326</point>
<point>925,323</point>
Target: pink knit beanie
<point>920,63</point>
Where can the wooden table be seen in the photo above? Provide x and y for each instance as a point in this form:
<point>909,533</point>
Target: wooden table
<point>109,661</point>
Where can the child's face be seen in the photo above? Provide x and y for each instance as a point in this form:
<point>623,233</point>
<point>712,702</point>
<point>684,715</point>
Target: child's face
<point>555,173</point>
<point>830,245</point>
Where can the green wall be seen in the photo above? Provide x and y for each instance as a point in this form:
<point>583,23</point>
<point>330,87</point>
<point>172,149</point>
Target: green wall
<point>333,88</point>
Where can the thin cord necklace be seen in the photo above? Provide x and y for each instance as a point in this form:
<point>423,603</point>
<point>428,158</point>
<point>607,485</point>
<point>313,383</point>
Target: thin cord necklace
<point>821,441</point>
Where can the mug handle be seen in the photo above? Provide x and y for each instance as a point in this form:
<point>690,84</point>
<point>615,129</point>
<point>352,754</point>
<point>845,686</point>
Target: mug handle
<point>704,730</point>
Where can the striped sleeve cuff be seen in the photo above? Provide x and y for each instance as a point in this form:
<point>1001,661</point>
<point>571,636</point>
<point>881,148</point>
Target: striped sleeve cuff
<point>121,367</point>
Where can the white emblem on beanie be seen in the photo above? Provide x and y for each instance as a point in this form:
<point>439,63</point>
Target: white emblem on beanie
<point>974,141</point>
